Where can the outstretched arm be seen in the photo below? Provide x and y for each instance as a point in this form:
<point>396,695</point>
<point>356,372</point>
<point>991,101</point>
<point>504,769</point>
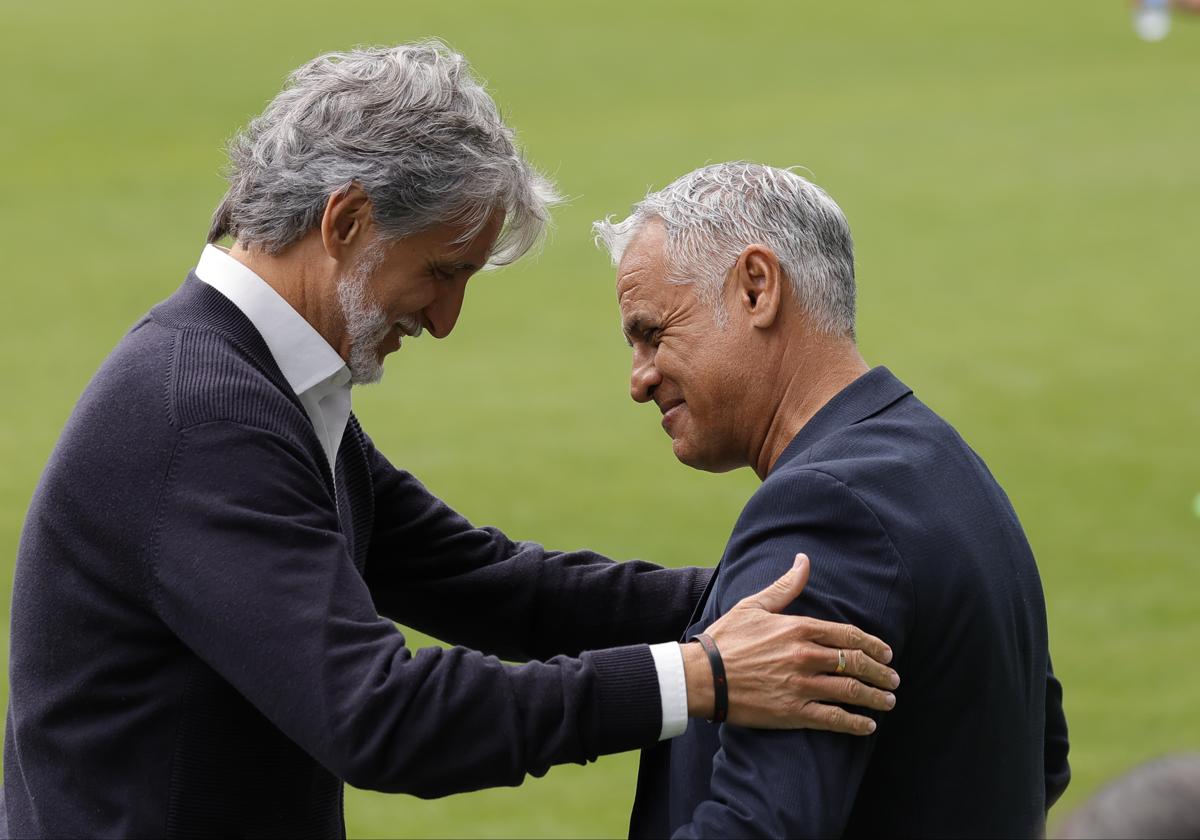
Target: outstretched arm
<point>513,599</point>
<point>249,570</point>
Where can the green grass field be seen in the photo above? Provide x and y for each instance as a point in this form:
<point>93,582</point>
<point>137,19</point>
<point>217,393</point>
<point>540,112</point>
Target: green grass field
<point>1024,186</point>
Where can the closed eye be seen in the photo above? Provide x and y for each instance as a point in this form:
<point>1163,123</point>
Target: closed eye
<point>450,271</point>
<point>643,330</point>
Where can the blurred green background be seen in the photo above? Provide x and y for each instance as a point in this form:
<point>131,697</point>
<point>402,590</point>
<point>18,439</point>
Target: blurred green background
<point>1024,186</point>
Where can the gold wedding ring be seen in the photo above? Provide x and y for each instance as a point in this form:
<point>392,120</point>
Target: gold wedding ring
<point>841,666</point>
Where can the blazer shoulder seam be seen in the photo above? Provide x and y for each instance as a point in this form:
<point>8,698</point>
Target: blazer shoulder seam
<point>903,564</point>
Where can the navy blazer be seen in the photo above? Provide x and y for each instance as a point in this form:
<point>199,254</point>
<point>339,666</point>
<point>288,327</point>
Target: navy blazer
<point>910,538</point>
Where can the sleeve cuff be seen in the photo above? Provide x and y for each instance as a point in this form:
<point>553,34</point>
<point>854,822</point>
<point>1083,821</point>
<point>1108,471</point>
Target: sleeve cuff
<point>668,662</point>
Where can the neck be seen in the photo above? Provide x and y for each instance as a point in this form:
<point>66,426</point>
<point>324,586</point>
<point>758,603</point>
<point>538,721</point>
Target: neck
<point>811,374</point>
<point>298,274</point>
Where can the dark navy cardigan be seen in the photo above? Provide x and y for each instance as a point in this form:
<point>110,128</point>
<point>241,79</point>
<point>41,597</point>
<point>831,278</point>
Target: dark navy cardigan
<point>197,640</point>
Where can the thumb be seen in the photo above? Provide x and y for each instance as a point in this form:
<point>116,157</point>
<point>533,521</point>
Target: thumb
<point>782,592</point>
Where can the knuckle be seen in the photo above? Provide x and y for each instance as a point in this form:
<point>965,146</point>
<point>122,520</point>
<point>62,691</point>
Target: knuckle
<point>788,708</point>
<point>858,661</point>
<point>854,690</point>
<point>749,602</point>
<point>856,637</point>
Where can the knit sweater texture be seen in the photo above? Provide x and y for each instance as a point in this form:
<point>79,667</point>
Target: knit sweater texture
<point>203,640</point>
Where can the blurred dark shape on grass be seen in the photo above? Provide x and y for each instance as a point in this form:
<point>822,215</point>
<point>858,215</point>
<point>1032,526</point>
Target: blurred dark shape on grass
<point>1160,799</point>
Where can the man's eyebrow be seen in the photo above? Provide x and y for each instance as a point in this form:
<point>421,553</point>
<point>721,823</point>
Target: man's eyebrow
<point>461,265</point>
<point>638,323</point>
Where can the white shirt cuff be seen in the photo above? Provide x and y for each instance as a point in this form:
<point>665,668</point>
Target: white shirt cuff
<point>668,661</point>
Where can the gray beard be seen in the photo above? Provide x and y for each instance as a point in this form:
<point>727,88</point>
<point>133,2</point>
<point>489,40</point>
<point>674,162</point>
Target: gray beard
<point>366,322</point>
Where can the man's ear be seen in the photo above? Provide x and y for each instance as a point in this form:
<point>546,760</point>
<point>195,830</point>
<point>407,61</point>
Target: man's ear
<point>346,219</point>
<point>758,281</point>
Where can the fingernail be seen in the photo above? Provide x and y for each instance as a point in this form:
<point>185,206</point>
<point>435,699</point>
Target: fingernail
<point>891,701</point>
<point>895,680</point>
<point>887,656</point>
<point>800,558</point>
<point>870,727</point>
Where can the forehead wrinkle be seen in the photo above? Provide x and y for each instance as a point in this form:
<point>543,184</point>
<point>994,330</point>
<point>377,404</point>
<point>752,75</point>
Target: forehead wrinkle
<point>629,280</point>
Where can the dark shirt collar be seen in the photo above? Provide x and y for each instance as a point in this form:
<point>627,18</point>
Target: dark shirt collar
<point>866,396</point>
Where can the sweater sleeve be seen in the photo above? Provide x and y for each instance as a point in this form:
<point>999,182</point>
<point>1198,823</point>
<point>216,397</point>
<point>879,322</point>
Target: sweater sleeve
<point>803,783</point>
<point>248,569</point>
<point>514,599</point>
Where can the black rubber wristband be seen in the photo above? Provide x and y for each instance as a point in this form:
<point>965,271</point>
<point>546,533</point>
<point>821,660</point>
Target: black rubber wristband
<point>720,686</point>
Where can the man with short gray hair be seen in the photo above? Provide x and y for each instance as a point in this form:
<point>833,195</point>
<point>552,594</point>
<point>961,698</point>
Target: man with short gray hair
<point>202,641</point>
<point>737,295</point>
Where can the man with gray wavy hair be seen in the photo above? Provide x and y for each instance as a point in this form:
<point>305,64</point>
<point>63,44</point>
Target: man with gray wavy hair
<point>737,295</point>
<point>202,639</point>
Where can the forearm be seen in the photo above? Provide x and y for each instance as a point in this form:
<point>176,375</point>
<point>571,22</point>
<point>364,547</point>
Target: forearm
<point>698,677</point>
<point>453,720</point>
<point>600,604</point>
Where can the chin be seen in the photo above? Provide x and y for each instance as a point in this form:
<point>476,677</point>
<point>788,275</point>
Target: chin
<point>700,460</point>
<point>690,458</point>
<point>365,371</point>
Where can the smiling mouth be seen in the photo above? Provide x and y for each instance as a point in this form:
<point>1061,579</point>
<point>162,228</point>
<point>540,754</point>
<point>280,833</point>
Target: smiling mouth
<point>670,410</point>
<point>409,326</point>
<point>669,405</point>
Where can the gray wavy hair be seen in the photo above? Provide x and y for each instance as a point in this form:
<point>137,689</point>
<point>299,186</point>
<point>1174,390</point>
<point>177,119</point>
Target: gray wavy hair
<point>409,124</point>
<point>713,213</point>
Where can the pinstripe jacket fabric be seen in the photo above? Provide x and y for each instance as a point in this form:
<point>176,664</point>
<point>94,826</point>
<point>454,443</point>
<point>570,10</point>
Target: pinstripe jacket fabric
<point>911,539</point>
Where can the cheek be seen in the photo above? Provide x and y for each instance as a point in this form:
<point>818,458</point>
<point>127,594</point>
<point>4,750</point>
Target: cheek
<point>408,298</point>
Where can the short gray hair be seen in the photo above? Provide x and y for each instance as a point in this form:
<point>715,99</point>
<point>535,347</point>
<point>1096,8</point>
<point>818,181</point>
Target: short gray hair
<point>410,125</point>
<point>713,213</point>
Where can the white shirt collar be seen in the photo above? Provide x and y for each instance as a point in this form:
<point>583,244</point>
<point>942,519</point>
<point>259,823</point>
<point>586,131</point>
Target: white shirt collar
<point>304,357</point>
<point>315,371</point>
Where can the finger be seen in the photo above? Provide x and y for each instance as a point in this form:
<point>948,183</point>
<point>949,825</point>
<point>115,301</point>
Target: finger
<point>835,719</point>
<point>859,665</point>
<point>782,592</point>
<point>802,567</point>
<point>852,691</point>
<point>834,635</point>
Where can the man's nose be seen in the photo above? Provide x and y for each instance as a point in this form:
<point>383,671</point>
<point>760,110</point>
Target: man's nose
<point>442,314</point>
<point>644,377</point>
